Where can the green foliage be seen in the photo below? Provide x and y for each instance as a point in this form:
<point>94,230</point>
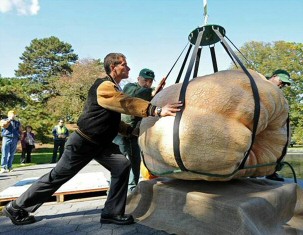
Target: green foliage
<point>28,98</point>
<point>70,93</point>
<point>45,58</point>
<point>39,156</point>
<point>42,104</point>
<point>268,57</point>
<point>9,94</point>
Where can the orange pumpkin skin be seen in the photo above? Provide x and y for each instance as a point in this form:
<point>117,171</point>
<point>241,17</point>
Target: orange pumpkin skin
<point>145,173</point>
<point>216,128</point>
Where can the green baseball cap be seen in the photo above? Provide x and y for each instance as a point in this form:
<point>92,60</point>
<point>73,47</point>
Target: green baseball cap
<point>283,75</point>
<point>147,74</point>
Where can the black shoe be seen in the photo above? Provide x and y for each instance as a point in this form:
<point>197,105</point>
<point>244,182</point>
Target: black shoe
<point>117,219</point>
<point>18,215</point>
<point>275,177</point>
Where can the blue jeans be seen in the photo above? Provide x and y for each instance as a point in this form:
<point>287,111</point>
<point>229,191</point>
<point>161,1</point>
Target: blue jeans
<point>9,147</point>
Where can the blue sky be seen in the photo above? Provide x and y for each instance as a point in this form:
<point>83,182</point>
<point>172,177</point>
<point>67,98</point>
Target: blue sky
<point>151,33</point>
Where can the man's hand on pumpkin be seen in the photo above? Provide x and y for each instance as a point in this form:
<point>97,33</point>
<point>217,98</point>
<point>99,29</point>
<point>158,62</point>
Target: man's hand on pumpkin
<point>170,109</point>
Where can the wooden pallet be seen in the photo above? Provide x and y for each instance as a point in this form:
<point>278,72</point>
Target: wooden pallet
<point>60,196</point>
<point>80,184</point>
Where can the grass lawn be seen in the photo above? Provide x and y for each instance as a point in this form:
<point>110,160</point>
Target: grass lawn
<point>296,163</point>
<point>41,155</point>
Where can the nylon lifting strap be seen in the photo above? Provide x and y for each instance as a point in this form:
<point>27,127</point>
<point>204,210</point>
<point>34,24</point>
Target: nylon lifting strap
<point>197,62</point>
<point>183,64</point>
<point>176,138</point>
<point>230,56</point>
<point>213,58</point>
<point>255,95</point>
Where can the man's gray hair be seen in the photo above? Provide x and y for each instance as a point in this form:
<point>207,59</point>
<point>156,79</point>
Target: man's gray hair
<point>112,58</point>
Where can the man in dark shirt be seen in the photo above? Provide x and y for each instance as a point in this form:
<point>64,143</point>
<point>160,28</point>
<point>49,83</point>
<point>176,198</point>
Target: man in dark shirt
<point>98,125</point>
<point>129,144</point>
<point>280,78</point>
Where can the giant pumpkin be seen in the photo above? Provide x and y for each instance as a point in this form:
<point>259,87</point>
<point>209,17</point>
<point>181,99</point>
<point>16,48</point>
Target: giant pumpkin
<point>216,129</point>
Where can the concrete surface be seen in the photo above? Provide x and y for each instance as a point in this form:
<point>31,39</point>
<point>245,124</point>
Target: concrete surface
<point>80,216</point>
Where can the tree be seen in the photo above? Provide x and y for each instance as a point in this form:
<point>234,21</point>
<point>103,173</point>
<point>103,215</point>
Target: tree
<point>268,57</point>
<point>10,95</point>
<point>46,57</point>
<point>41,104</point>
<point>70,93</point>
<point>28,98</point>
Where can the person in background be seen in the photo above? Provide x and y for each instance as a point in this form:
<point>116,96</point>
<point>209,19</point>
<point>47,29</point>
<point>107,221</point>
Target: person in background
<point>11,132</point>
<point>60,133</point>
<point>27,144</point>
<point>280,78</point>
<point>98,125</point>
<point>129,144</point>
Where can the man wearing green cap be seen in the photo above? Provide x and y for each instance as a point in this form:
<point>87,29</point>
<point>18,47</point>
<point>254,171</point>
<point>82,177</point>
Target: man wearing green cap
<point>280,78</point>
<point>129,144</point>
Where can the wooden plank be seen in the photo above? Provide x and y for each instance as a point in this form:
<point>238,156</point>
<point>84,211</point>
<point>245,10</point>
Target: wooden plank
<point>59,196</point>
<point>81,191</point>
<point>81,183</point>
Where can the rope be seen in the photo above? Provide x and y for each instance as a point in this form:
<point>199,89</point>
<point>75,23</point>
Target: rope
<point>212,174</point>
<point>292,169</point>
<point>165,78</point>
<point>176,61</point>
<point>248,61</point>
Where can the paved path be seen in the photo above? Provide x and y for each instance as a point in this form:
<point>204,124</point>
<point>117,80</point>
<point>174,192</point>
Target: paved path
<point>81,216</point>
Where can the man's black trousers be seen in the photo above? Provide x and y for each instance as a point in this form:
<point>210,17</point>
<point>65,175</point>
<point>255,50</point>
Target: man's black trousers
<point>58,145</point>
<point>78,153</point>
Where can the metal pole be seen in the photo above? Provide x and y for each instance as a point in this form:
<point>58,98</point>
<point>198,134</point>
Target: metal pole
<point>205,12</point>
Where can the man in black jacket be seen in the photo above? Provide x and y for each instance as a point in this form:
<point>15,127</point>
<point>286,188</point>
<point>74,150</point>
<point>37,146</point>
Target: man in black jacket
<point>98,124</point>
